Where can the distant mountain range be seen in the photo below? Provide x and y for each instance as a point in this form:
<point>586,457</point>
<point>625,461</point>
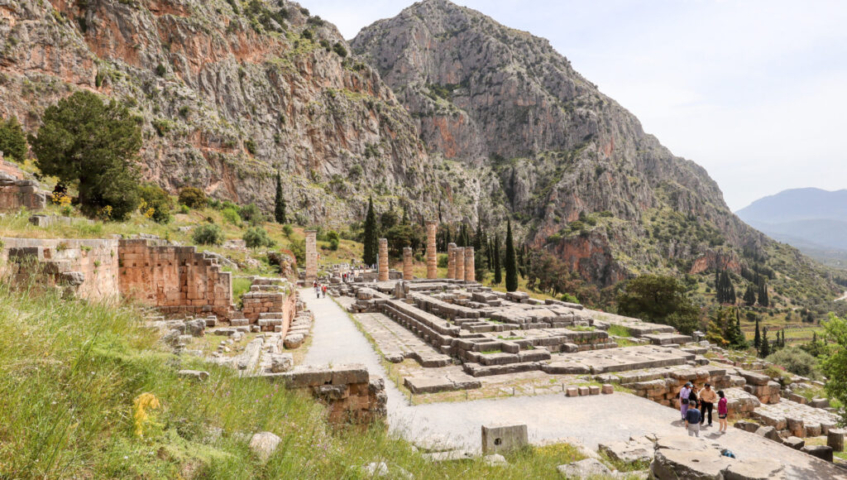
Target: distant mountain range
<point>811,219</point>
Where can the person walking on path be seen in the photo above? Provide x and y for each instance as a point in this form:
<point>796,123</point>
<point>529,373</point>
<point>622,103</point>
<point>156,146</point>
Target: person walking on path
<point>708,399</point>
<point>683,399</point>
<point>323,290</point>
<point>692,420</point>
<point>723,410</point>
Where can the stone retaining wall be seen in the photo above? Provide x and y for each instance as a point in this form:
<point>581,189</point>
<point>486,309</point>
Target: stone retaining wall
<point>347,390</point>
<point>86,268</point>
<point>172,277</point>
<point>15,192</point>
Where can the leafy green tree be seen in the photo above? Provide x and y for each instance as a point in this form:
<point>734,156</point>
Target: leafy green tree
<point>279,202</point>
<point>659,299</point>
<point>251,214</point>
<point>12,139</point>
<point>92,145</point>
<point>371,239</point>
<point>498,271</point>
<point>834,366</point>
<point>511,261</point>
<point>795,361</point>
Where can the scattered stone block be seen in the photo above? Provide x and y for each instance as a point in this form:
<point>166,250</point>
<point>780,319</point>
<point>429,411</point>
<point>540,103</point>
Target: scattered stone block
<point>504,438</point>
<point>294,341</point>
<point>263,444</point>
<point>835,439</point>
<point>588,468</point>
<point>193,374</point>
<point>824,452</point>
<point>583,391</point>
<point>608,389</point>
<point>794,442</point>
<point>594,390</point>
<point>754,469</point>
<point>282,362</point>
<point>572,392</point>
<point>495,460</point>
<point>769,432</point>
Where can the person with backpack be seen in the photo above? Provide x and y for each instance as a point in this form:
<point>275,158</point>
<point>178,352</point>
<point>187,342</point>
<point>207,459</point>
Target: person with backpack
<point>683,399</point>
<point>323,290</point>
<point>723,411</point>
<point>692,419</point>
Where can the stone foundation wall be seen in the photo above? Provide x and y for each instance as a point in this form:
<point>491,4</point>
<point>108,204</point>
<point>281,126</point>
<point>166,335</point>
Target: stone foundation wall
<point>347,390</point>
<point>86,268</point>
<point>15,194</point>
<point>174,278</point>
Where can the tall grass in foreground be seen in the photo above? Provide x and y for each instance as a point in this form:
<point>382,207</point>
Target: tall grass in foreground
<point>72,375</point>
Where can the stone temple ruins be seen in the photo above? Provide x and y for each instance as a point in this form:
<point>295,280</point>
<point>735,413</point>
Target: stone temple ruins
<point>457,335</point>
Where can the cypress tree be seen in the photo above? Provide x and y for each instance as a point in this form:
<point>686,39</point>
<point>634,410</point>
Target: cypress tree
<point>279,202</point>
<point>498,272</point>
<point>757,340</point>
<point>763,292</point>
<point>511,261</point>
<point>766,346</point>
<point>750,296</point>
<point>371,239</point>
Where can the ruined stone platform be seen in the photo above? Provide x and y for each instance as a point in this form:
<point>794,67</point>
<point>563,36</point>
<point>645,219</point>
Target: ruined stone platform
<point>619,360</point>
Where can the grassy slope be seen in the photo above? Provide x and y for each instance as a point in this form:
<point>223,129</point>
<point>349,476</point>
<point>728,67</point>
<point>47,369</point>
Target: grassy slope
<point>69,372</point>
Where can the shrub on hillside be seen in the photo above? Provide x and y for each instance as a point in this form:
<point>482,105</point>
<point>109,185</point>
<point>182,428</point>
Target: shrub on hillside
<point>231,216</point>
<point>257,237</point>
<point>333,244</point>
<point>93,146</point>
<point>252,214</point>
<point>796,361</point>
<point>192,197</point>
<point>208,235</point>
<point>155,203</point>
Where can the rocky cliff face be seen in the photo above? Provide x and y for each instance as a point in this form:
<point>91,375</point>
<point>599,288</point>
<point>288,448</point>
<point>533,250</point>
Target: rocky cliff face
<point>231,92</point>
<point>574,166</point>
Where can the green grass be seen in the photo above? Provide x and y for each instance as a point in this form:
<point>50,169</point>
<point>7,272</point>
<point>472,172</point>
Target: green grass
<point>240,286</point>
<point>619,331</point>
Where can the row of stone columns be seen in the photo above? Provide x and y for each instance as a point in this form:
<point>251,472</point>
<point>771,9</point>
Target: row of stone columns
<point>460,263</point>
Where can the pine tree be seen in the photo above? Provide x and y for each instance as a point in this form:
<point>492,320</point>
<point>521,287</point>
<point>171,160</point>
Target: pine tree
<point>766,346</point>
<point>279,202</point>
<point>371,239</point>
<point>737,338</point>
<point>730,288</point>
<point>498,272</point>
<point>511,261</point>
<point>757,340</point>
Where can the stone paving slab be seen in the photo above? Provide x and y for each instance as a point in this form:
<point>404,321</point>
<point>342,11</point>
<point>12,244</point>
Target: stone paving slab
<point>394,339</point>
<point>620,359</point>
<point>434,383</point>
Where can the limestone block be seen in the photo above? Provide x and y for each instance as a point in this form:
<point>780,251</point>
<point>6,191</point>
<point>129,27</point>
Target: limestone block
<point>754,469</point>
<point>835,439</point>
<point>824,452</point>
<point>794,442</point>
<point>282,362</point>
<point>608,389</point>
<point>500,439</point>
<point>769,432</point>
<point>572,391</point>
<point>587,468</point>
<point>264,444</point>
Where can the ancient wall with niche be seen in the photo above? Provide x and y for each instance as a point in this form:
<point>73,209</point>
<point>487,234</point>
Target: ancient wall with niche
<point>86,268</point>
<point>177,280</point>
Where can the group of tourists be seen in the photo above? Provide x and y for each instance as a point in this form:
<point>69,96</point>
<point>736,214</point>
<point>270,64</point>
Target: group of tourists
<point>694,410</point>
<point>319,290</point>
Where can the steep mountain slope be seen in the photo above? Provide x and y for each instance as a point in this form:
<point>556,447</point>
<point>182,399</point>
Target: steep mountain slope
<point>230,92</point>
<point>576,168</point>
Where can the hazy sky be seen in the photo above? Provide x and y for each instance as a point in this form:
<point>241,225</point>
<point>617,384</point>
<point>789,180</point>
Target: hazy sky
<point>753,90</point>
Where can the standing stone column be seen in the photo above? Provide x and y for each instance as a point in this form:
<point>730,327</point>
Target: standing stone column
<point>470,271</point>
<point>407,263</point>
<point>459,252</point>
<point>431,255</point>
<point>311,256</point>
<point>383,260</point>
<point>451,260</point>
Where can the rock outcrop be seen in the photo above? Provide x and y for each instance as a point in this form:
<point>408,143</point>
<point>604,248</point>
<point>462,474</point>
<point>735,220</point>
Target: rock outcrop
<point>571,162</point>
